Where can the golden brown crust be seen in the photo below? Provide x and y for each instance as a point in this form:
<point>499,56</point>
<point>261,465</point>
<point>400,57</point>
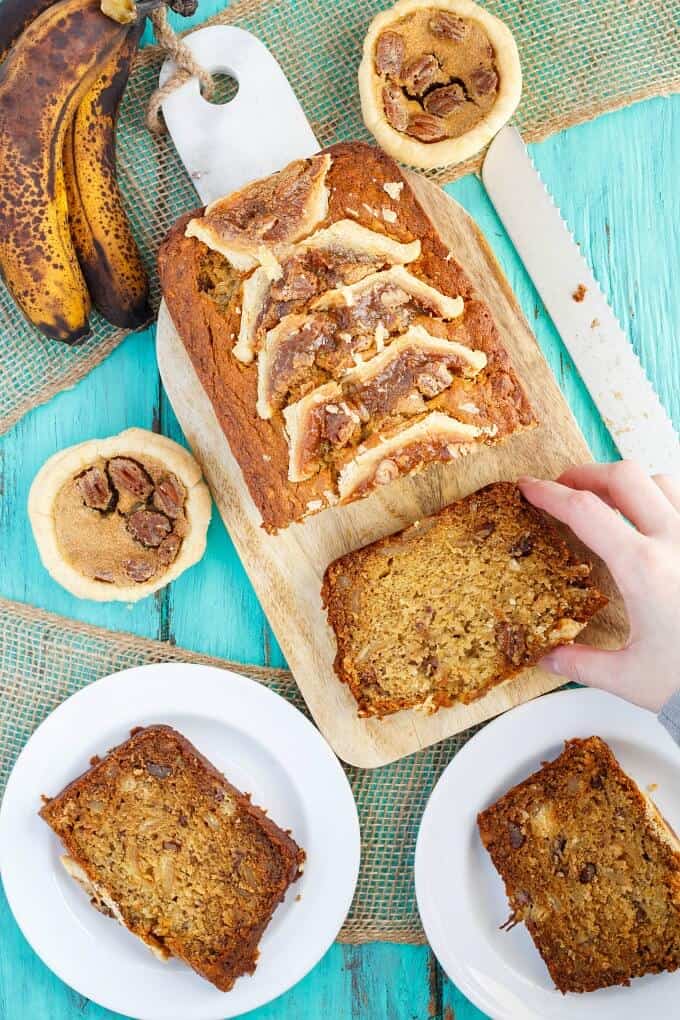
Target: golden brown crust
<point>240,837</point>
<point>356,180</point>
<point>590,868</point>
<point>501,590</point>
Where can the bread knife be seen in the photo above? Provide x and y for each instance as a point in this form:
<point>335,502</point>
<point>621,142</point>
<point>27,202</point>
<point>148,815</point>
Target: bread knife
<point>604,357</point>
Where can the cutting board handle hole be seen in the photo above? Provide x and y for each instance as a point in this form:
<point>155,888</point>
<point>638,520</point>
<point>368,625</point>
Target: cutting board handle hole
<point>226,88</point>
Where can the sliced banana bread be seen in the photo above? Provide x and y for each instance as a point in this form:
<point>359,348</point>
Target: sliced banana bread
<point>591,868</point>
<point>162,842</point>
<point>440,612</point>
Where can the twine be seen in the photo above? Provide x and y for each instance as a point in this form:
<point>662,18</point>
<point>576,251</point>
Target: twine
<point>188,67</point>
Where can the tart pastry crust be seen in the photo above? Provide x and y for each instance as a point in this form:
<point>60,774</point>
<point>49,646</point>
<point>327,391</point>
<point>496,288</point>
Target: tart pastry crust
<point>436,153</point>
<point>144,447</point>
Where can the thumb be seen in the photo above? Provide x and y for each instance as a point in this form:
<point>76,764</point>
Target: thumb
<point>584,665</point>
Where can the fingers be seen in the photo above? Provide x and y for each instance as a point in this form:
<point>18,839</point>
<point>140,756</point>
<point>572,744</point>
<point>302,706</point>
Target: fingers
<point>602,529</point>
<point>670,487</point>
<point>625,486</point>
<point>584,665</point>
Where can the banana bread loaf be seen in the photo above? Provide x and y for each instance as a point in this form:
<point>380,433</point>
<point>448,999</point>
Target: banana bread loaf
<point>338,339</point>
<point>162,842</point>
<point>591,868</point>
<point>444,610</point>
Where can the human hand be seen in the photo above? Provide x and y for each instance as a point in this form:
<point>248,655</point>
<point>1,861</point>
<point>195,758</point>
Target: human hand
<point>644,560</point>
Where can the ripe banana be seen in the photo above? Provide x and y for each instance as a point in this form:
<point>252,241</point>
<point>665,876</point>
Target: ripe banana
<point>15,16</point>
<point>106,249</point>
<point>42,82</point>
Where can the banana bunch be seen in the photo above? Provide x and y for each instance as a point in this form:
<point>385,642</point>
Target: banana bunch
<point>65,241</point>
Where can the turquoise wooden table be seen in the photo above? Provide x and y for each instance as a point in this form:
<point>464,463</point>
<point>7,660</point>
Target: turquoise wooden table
<point>616,181</point>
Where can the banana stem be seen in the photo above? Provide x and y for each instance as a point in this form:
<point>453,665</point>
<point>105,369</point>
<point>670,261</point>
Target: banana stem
<point>147,6</point>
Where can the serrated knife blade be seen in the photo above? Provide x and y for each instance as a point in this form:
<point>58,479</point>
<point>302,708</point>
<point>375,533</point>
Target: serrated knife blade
<point>604,357</point>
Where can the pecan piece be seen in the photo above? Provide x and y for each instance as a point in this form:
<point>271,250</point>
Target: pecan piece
<point>93,486</point>
<point>522,547</point>
<point>127,474</point>
<point>440,102</point>
<point>338,426</point>
<point>159,771</point>
<point>296,285</point>
<point>426,128</point>
<point>485,530</point>
<point>171,844</point>
<point>484,80</point>
<point>148,527</point>
<point>169,496</point>
<point>587,873</point>
<point>168,549</point>
<point>516,835</point>
<point>511,640</point>
<point>433,380</point>
<point>419,73</point>
<point>139,570</point>
<point>389,53</point>
<point>430,665</point>
<point>447,26</point>
<point>395,108</point>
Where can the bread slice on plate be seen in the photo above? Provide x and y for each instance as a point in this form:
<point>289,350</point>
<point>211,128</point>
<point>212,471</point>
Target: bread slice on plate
<point>590,867</point>
<point>339,340</point>
<point>444,610</point>
<point>162,842</point>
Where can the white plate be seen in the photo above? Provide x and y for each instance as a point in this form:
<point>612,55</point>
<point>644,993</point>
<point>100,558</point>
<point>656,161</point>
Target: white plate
<point>460,895</point>
<point>265,747</point>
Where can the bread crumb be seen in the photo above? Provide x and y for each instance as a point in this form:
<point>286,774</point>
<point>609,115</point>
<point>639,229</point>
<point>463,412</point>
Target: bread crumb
<point>580,293</point>
<point>393,189</point>
<point>595,323</point>
<point>652,787</point>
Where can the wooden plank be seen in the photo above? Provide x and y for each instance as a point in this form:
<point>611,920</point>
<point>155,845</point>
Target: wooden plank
<point>373,982</point>
<point>286,569</point>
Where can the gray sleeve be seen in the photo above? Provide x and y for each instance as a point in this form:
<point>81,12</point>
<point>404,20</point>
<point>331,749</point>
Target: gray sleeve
<point>669,716</point>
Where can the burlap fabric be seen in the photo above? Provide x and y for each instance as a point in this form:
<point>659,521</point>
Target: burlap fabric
<point>45,658</point>
<point>580,58</point>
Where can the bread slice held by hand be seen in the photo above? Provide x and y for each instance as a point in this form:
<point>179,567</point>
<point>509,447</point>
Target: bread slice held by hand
<point>455,604</point>
<point>163,843</point>
<point>590,867</point>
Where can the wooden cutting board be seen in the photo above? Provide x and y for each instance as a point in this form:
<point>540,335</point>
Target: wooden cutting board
<point>286,569</point>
